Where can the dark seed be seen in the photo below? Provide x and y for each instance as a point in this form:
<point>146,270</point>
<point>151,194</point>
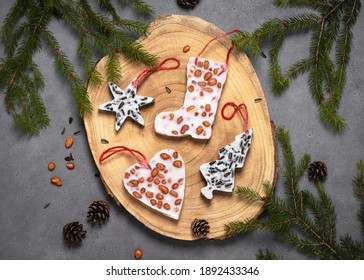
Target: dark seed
<point>168,90</point>
<point>104,141</point>
<point>257,100</point>
<point>97,174</point>
<point>46,206</point>
<point>71,155</point>
<point>63,131</point>
<point>68,159</point>
<point>70,120</point>
<point>77,132</point>
<point>262,54</point>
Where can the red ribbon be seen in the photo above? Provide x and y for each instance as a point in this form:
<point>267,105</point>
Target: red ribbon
<point>160,66</point>
<point>237,108</point>
<point>228,54</point>
<point>117,149</point>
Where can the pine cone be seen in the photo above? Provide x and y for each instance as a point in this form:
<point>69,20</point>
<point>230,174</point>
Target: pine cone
<point>317,171</point>
<point>189,4</point>
<point>200,227</point>
<point>74,233</point>
<point>98,210</point>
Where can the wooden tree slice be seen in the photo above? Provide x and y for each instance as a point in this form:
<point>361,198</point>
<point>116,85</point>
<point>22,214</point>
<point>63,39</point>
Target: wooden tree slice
<point>168,35</point>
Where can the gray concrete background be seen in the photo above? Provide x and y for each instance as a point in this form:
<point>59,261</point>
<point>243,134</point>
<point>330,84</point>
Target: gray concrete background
<point>30,232</point>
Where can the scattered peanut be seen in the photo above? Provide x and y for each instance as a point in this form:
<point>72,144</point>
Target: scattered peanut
<point>160,166</point>
<point>206,64</point>
<point>208,108</point>
<point>137,195</point>
<point>70,165</point>
<point>154,172</point>
<point>179,120</point>
<point>186,49</point>
<point>198,73</point>
<point>175,155</point>
<point>134,183</point>
<point>167,206</point>
<point>56,181</point>
<point>165,156</point>
<point>207,76</point>
<point>177,164</point>
<point>191,88</point>
<point>184,128</point>
<point>69,142</point>
<point>206,123</point>
<point>199,130</point>
<point>178,201</point>
<point>51,166</point>
<point>212,82</point>
<point>138,254</point>
<point>175,186</point>
<point>173,193</point>
<point>163,189</point>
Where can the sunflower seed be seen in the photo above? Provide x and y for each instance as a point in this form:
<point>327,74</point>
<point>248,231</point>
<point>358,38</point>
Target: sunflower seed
<point>257,100</point>
<point>63,131</point>
<point>262,54</point>
<point>168,90</point>
<point>46,206</point>
<point>69,158</point>
<point>104,141</point>
<point>70,120</point>
<point>77,132</point>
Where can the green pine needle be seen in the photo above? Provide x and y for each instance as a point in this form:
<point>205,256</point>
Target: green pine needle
<point>306,218</point>
<point>266,255</point>
<point>331,26</point>
<point>25,33</point>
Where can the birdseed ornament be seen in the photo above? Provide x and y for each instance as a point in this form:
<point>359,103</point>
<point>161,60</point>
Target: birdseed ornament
<point>219,174</point>
<point>126,102</point>
<point>205,81</point>
<point>159,183</point>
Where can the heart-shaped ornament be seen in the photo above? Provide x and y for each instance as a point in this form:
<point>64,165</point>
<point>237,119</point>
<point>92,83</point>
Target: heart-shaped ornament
<point>162,187</point>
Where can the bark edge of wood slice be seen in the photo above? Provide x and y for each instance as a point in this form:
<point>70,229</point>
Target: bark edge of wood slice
<point>168,34</point>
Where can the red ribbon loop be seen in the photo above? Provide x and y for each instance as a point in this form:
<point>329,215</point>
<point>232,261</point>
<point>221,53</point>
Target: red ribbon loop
<point>160,66</point>
<point>237,108</point>
<point>117,149</point>
<point>228,54</point>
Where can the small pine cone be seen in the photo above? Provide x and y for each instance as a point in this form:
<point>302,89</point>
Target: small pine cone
<point>317,171</point>
<point>74,232</point>
<point>200,227</point>
<point>98,210</point>
<point>189,4</point>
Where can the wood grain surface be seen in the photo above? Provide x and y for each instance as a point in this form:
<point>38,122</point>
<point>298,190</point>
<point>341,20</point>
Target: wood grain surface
<point>168,35</point>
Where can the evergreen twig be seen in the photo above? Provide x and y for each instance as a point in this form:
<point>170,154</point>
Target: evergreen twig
<point>303,219</point>
<point>25,31</point>
<point>331,26</point>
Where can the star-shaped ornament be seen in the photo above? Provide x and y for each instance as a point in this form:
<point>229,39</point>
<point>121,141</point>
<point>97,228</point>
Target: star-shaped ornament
<point>126,104</point>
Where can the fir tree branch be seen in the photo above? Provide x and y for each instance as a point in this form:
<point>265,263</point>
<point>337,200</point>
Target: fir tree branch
<point>305,220</point>
<point>331,27</point>
<point>25,31</point>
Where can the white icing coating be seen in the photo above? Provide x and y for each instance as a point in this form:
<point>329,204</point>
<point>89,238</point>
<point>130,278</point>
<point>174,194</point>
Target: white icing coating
<point>147,185</point>
<point>126,104</point>
<point>205,81</point>
<point>219,174</point>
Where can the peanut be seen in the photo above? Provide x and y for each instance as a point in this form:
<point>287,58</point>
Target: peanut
<point>202,84</point>
<point>177,164</point>
<point>159,204</point>
<point>179,120</point>
<point>51,166</point>
<point>175,155</point>
<point>159,196</point>
<point>165,156</point>
<point>171,116</point>
<point>216,71</point>
<point>208,89</point>
<point>150,179</point>
<point>141,180</point>
<point>206,64</point>
<point>160,166</point>
<point>186,49</point>
<point>154,172</point>
<point>163,189</point>
<point>167,206</point>
<point>142,190</point>
<point>198,73</point>
<point>138,253</point>
<point>157,181</point>
<point>180,181</point>
<point>178,201</point>
<point>219,85</point>
<point>208,108</point>
<point>134,183</point>
<point>56,181</point>
<point>164,181</point>
<point>137,195</point>
<point>206,123</point>
<point>200,64</point>
<point>199,130</point>
<point>204,114</point>
<point>212,82</point>
<point>70,165</point>
<point>69,142</point>
<point>160,175</point>
<point>190,108</point>
<point>175,132</point>
<point>149,194</point>
<point>173,193</point>
<point>175,186</point>
<point>127,175</point>
<point>184,128</point>
<point>191,88</point>
<point>153,202</point>
<point>207,76</point>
